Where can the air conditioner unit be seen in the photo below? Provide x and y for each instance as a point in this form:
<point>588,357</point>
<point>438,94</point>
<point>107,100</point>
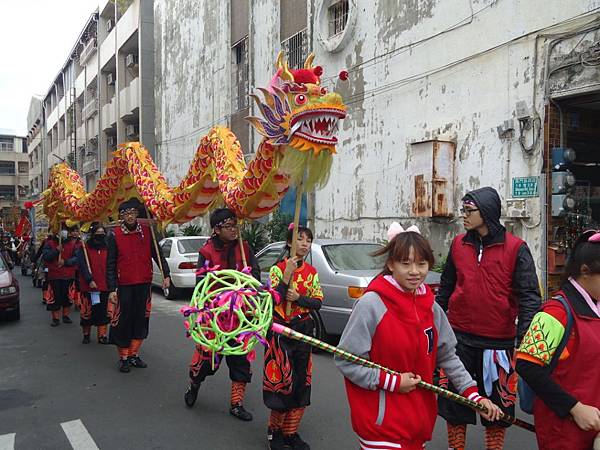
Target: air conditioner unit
<point>131,130</point>
<point>131,60</point>
<point>109,25</point>
<point>110,79</point>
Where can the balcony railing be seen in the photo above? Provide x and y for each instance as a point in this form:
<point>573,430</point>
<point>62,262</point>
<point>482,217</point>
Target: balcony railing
<point>90,109</point>
<point>7,147</point>
<point>87,51</point>
<point>90,165</point>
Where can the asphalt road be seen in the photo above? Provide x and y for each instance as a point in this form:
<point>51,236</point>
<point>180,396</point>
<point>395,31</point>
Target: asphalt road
<point>56,393</point>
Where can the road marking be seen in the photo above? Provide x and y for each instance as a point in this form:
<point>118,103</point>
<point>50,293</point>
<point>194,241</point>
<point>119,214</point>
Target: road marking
<point>78,435</point>
<point>7,441</point>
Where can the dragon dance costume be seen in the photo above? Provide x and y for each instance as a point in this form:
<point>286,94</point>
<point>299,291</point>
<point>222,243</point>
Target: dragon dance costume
<point>288,363</point>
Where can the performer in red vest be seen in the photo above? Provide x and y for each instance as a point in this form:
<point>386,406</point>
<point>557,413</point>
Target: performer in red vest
<point>129,278</point>
<point>91,263</point>
<point>489,281</point>
<point>59,259</point>
<point>567,404</point>
<point>223,250</point>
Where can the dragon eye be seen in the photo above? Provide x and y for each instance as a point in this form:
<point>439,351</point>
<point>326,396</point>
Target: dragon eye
<point>323,91</point>
<point>300,99</point>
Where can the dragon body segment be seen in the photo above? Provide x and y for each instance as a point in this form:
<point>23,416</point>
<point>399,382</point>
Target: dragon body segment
<point>299,121</point>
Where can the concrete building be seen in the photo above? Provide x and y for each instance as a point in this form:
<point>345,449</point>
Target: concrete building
<point>443,97</point>
<point>14,178</point>
<point>35,146</point>
<point>103,94</point>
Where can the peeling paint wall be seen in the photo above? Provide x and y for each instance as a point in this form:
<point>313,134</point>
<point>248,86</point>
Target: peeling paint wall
<point>419,70</point>
<point>434,69</point>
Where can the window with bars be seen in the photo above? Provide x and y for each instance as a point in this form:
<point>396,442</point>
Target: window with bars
<point>296,49</point>
<point>338,17</point>
<point>240,74</point>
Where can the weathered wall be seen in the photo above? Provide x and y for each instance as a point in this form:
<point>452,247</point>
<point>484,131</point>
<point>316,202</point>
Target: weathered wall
<point>418,70</point>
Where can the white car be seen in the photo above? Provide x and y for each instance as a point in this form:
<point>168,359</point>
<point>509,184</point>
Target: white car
<point>181,254</point>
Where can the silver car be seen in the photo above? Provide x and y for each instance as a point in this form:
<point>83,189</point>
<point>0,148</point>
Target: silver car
<point>181,254</point>
<point>345,269</point>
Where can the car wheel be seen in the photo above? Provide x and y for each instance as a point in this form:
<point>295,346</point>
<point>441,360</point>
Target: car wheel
<point>16,314</point>
<point>318,330</point>
<point>171,293</point>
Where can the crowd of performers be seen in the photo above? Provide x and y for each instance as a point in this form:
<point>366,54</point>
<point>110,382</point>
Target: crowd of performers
<point>486,327</point>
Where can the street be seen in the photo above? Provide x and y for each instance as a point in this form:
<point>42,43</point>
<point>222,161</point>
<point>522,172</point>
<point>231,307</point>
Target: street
<point>56,393</point>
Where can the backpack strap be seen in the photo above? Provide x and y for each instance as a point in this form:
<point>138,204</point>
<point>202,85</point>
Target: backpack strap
<point>567,333</point>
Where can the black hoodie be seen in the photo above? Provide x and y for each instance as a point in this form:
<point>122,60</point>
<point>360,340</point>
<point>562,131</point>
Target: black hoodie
<point>524,281</point>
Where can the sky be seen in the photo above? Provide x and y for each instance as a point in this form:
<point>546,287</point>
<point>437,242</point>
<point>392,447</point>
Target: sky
<point>36,37</point>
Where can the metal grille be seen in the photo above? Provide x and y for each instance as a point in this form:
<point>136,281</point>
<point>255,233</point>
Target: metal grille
<point>338,17</point>
<point>296,49</point>
<point>241,68</point>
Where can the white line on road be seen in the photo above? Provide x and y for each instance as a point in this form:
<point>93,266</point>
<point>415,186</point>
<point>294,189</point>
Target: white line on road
<point>7,441</point>
<point>78,435</point>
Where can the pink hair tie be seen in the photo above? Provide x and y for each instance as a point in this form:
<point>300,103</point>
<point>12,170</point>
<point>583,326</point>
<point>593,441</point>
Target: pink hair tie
<point>594,237</point>
<point>291,226</point>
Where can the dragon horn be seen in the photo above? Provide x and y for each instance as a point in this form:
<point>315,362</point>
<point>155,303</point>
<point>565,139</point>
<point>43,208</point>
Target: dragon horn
<point>309,61</point>
<point>279,62</point>
<point>285,73</point>
<point>268,97</point>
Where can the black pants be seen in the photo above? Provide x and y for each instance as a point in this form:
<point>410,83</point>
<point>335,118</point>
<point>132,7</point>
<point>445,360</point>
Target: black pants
<point>58,297</point>
<point>287,376</point>
<point>131,315</point>
<point>202,367</point>
<point>503,390</point>
<point>93,314</point>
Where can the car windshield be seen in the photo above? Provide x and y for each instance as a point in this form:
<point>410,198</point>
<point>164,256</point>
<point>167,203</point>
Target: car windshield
<point>190,245</point>
<point>352,256</point>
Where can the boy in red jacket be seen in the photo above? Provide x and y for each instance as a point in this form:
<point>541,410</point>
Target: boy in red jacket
<point>397,324</point>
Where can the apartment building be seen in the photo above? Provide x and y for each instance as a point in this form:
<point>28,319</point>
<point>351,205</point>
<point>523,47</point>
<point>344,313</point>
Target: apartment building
<point>35,147</point>
<point>103,94</point>
<point>14,177</point>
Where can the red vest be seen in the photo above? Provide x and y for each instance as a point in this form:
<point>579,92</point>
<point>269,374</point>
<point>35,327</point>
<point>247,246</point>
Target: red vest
<point>216,256</point>
<point>134,256</point>
<point>483,302</point>
<point>405,340</point>
<point>578,375</point>
<point>64,272</point>
<point>97,259</point>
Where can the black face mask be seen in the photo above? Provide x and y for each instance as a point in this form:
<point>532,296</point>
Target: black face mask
<point>99,239</point>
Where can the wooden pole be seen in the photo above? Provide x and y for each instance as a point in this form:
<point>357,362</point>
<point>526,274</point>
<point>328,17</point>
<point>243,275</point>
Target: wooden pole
<point>156,249</point>
<point>298,207</point>
<point>87,258</point>
<point>242,252</point>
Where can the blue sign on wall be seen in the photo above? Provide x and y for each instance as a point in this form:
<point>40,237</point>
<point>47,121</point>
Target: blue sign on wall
<point>525,187</point>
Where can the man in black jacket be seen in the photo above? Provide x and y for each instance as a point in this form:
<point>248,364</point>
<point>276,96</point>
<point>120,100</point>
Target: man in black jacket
<point>489,281</point>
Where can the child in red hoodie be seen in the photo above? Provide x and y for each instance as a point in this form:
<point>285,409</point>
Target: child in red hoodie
<point>397,324</point>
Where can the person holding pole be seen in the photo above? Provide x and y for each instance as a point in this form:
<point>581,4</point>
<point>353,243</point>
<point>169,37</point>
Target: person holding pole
<point>287,375</point>
<point>397,324</point>
<point>58,256</point>
<point>131,248</point>
<point>223,250</point>
<point>91,263</point>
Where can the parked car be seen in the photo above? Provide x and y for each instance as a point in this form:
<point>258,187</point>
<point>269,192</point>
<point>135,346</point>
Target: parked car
<point>345,269</point>
<point>9,292</point>
<point>181,254</point>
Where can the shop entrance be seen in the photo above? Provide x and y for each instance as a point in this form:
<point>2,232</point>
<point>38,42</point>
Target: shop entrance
<point>574,177</point>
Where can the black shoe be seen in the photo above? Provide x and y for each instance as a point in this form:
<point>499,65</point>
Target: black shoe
<point>296,443</point>
<point>275,440</point>
<point>136,361</point>
<point>55,323</point>
<point>191,394</point>
<point>103,340</point>
<point>239,412</point>
<point>67,319</point>
<point>124,366</point>
<point>86,339</point>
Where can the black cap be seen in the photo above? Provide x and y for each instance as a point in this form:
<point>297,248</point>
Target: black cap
<point>132,203</point>
<point>220,215</point>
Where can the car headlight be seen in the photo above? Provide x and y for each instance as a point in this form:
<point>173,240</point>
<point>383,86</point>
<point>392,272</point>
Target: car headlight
<point>8,290</point>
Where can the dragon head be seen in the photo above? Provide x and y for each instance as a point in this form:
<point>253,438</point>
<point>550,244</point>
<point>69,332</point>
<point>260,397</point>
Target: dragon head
<point>297,111</point>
